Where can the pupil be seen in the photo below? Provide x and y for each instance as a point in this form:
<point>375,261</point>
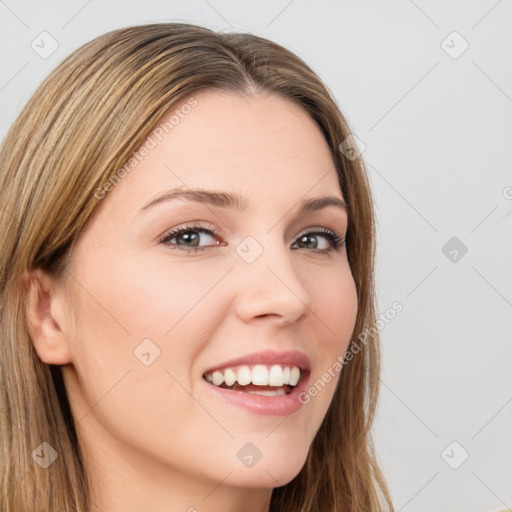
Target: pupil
<point>188,236</point>
<point>305,238</point>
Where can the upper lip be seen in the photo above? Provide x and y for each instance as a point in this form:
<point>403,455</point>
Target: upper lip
<point>291,357</point>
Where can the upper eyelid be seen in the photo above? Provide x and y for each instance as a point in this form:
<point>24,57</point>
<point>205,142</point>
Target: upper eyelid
<point>216,231</point>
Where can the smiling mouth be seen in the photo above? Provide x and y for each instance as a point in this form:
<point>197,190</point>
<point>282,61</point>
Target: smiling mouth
<point>264,380</point>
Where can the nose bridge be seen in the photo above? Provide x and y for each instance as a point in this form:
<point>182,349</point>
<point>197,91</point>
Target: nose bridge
<point>269,283</point>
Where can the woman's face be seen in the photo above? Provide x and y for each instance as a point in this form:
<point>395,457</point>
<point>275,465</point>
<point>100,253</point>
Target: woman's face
<point>154,311</point>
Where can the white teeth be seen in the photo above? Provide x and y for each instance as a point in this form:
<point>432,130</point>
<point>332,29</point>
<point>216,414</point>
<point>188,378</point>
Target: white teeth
<point>260,375</point>
<point>218,378</point>
<point>244,375</point>
<point>274,375</point>
<point>294,376</point>
<point>229,377</point>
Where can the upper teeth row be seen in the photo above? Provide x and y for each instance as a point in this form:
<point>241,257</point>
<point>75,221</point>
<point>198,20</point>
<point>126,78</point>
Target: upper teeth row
<point>260,375</point>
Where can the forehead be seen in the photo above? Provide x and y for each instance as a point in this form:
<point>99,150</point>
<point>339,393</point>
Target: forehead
<point>260,147</point>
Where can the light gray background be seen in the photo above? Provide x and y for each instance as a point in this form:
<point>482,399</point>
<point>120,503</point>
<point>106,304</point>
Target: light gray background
<point>438,137</point>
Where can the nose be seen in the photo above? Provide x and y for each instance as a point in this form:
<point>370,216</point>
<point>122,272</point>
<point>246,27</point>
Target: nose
<point>271,287</point>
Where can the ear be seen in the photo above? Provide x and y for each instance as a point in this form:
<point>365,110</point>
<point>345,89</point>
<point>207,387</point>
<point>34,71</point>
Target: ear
<point>45,315</point>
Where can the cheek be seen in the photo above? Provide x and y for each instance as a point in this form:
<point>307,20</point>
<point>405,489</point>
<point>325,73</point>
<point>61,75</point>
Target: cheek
<point>145,298</point>
<point>121,324</point>
<point>335,306</point>
<point>144,311</point>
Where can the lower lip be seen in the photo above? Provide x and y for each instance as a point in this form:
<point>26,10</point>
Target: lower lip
<point>278,405</point>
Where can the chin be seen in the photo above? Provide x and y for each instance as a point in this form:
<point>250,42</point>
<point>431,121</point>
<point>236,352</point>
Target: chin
<point>275,470</point>
<point>275,477</point>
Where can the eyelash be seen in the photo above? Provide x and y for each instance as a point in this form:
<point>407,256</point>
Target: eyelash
<point>336,241</point>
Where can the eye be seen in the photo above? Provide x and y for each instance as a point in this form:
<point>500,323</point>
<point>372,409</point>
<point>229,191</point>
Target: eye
<point>190,236</point>
<point>335,240</point>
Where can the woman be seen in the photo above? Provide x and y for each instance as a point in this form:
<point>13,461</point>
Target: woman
<point>187,256</point>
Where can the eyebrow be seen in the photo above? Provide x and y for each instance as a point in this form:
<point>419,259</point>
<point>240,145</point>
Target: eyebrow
<point>236,202</point>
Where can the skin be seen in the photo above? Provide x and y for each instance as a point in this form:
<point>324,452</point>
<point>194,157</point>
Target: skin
<point>155,437</point>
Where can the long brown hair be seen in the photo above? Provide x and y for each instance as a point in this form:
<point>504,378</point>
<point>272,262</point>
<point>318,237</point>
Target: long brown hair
<point>80,127</point>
